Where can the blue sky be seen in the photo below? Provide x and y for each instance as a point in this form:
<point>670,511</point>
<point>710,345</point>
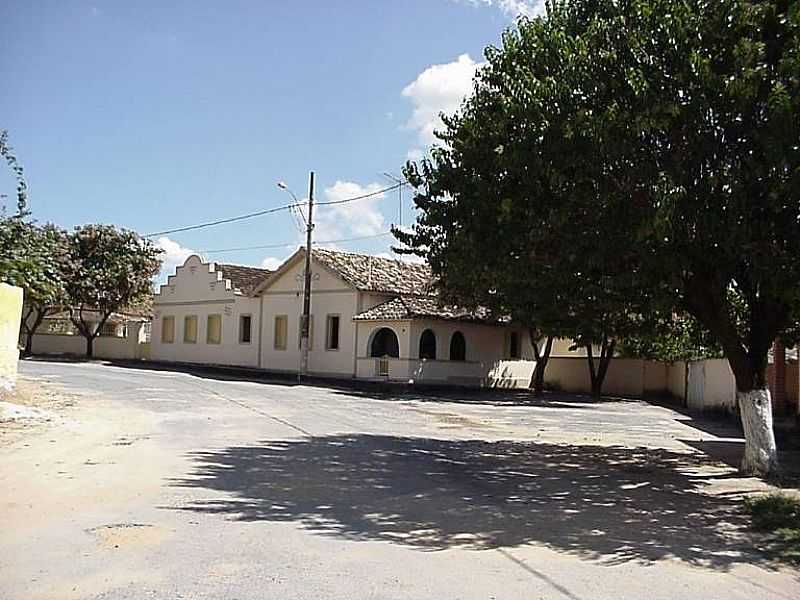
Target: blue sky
<point>154,115</point>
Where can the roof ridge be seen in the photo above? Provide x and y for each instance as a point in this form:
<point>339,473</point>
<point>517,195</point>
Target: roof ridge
<point>371,256</point>
<point>227,264</point>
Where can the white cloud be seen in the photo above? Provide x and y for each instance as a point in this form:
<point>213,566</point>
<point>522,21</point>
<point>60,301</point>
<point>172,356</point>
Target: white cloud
<point>173,255</point>
<point>415,154</point>
<point>439,88</point>
<point>408,258</point>
<point>511,8</point>
<point>350,219</point>
<point>271,263</point>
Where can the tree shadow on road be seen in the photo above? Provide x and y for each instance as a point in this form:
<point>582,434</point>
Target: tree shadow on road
<point>609,504</point>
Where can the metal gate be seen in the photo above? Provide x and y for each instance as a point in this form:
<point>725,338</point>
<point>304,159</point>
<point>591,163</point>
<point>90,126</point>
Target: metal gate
<point>695,384</point>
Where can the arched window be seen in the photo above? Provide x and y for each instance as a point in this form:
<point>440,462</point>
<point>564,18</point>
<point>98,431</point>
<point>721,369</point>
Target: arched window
<point>458,347</point>
<point>384,343</point>
<point>513,345</point>
<point>427,345</point>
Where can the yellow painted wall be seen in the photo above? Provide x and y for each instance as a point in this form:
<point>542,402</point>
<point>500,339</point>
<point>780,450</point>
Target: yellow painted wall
<point>10,316</point>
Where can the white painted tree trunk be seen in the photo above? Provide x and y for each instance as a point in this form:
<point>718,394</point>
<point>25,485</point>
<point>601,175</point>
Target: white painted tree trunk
<point>760,451</point>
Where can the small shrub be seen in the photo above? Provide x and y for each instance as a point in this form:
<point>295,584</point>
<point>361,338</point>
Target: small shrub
<point>774,511</point>
<point>779,515</point>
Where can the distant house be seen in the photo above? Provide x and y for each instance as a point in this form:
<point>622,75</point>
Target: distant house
<point>124,335</point>
<point>371,318</point>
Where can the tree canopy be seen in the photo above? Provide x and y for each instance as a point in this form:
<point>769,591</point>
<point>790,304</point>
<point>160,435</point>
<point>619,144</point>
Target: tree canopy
<point>109,270</point>
<point>643,156</point>
<point>34,258</point>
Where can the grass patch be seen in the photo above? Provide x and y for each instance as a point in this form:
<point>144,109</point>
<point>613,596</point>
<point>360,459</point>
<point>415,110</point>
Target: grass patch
<point>779,515</point>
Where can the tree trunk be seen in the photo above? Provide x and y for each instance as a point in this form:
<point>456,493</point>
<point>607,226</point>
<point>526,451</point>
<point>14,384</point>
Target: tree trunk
<point>537,382</point>
<point>746,351</point>
<point>28,350</point>
<point>760,451</point>
<point>30,327</point>
<point>89,346</point>
<point>598,376</point>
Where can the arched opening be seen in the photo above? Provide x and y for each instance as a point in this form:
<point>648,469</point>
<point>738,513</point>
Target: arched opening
<point>427,345</point>
<point>384,343</point>
<point>458,347</point>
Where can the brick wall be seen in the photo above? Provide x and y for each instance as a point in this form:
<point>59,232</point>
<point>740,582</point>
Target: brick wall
<point>788,402</point>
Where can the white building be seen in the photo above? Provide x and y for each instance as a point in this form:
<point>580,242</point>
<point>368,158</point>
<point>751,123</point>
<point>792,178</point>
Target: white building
<point>371,318</point>
<point>206,313</point>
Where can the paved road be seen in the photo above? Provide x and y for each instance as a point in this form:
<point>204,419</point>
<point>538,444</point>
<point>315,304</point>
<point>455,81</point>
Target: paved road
<point>172,485</point>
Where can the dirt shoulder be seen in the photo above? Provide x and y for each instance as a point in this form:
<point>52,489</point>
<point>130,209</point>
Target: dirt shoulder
<point>32,406</point>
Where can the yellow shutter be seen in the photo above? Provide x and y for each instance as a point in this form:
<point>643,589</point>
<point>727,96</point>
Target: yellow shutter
<point>280,332</point>
<point>214,330</point>
<point>190,329</point>
<point>168,330</point>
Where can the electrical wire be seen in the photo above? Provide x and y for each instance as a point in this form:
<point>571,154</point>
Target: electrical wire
<point>363,196</point>
<point>273,210</point>
<point>222,221</point>
<point>290,244</point>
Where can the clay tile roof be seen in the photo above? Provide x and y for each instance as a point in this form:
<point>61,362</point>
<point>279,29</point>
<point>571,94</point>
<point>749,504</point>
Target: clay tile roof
<point>415,307</point>
<point>377,274</point>
<point>244,279</point>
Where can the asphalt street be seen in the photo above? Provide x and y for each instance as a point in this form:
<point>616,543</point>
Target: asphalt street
<point>160,484</point>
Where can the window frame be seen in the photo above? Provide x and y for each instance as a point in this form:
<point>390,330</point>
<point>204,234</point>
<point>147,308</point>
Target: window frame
<point>452,339</point>
<point>185,319</point>
<point>218,342</point>
<point>171,319</point>
<point>328,320</point>
<point>275,346</point>
<point>435,344</point>
<point>249,329</point>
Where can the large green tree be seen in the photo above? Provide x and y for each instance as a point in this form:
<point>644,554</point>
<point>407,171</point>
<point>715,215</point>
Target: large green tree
<point>665,132</point>
<point>110,269</point>
<point>34,258</point>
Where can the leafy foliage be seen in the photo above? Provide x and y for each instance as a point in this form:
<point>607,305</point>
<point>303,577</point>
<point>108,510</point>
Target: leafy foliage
<point>7,152</point>
<point>110,269</point>
<point>681,338</point>
<point>33,257</point>
<point>778,514</point>
<point>652,163</point>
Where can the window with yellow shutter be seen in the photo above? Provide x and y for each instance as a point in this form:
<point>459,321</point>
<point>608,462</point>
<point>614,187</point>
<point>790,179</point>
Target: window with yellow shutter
<point>190,329</point>
<point>281,327</point>
<point>167,330</point>
<point>214,329</point>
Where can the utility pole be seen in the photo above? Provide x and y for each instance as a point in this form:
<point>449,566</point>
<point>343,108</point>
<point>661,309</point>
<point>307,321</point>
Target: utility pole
<point>306,319</point>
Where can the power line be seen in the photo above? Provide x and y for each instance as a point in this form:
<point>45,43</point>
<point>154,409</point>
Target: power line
<point>353,199</point>
<point>290,244</point>
<point>273,210</point>
<point>222,221</point>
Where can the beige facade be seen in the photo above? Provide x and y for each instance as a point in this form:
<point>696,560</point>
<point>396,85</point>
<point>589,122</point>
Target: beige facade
<point>332,297</point>
<point>198,298</point>
<point>199,291</point>
<point>485,361</point>
<point>119,343</point>
<point>10,316</point>
<point>199,319</point>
